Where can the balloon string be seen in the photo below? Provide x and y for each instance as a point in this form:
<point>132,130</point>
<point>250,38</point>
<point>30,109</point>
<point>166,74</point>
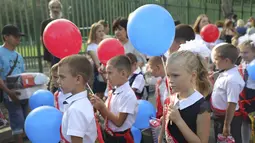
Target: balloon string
<point>90,89</point>
<point>172,99</point>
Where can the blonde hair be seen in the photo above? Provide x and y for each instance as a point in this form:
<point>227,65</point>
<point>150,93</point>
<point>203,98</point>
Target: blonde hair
<point>240,23</point>
<point>92,33</point>
<point>50,7</point>
<point>194,62</point>
<point>249,44</point>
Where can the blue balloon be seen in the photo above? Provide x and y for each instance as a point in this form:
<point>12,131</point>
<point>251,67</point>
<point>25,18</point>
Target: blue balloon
<point>145,111</point>
<point>137,135</point>
<point>42,125</point>
<point>41,98</point>
<point>251,70</point>
<point>151,29</point>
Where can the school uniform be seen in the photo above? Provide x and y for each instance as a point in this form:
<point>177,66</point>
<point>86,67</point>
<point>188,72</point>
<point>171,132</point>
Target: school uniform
<point>227,88</point>
<point>247,101</point>
<point>121,100</point>
<point>189,109</point>
<point>78,119</point>
<point>137,81</point>
<point>161,93</point>
<point>59,98</point>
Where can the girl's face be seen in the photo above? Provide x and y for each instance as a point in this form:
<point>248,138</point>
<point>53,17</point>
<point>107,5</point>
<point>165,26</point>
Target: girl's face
<point>100,33</point>
<point>247,54</point>
<point>121,33</point>
<point>54,78</point>
<point>180,80</point>
<point>204,21</point>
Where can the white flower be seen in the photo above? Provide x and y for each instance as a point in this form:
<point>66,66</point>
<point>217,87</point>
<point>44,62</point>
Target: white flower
<point>196,46</point>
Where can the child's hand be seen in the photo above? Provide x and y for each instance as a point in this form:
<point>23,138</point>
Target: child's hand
<point>226,130</point>
<point>174,114</point>
<point>97,102</point>
<point>101,69</point>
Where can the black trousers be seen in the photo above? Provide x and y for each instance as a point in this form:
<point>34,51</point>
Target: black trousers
<point>235,128</point>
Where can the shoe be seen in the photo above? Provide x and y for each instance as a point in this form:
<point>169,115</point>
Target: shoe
<point>3,123</point>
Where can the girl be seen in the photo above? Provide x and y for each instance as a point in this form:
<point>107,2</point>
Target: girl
<point>96,35</point>
<point>247,97</point>
<point>201,21</point>
<point>228,31</point>
<point>186,117</point>
<point>52,85</point>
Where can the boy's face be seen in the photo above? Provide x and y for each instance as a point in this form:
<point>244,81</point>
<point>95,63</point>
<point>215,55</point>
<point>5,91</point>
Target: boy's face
<point>54,78</point>
<point>247,54</point>
<point>154,70</point>
<point>175,46</point>
<point>66,81</point>
<point>220,63</point>
<point>114,76</point>
<point>134,67</point>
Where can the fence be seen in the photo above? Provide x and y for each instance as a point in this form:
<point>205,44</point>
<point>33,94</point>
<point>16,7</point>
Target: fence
<point>28,14</point>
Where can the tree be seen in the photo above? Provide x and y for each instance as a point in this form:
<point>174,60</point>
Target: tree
<point>227,8</point>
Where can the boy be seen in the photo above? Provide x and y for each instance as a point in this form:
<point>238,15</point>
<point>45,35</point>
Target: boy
<point>156,67</point>
<point>78,124</point>
<point>136,79</point>
<point>11,63</point>
<point>120,108</point>
<point>183,33</point>
<point>247,52</point>
<point>225,95</point>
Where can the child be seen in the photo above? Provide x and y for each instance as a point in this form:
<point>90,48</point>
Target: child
<point>136,79</point>
<point>120,108</point>
<point>78,123</point>
<point>96,35</point>
<point>156,67</point>
<point>247,51</point>
<point>53,85</point>
<point>186,114</point>
<point>183,33</point>
<point>226,91</point>
<point>59,97</point>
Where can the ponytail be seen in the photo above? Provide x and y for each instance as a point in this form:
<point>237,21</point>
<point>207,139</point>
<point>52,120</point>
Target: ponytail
<point>203,84</point>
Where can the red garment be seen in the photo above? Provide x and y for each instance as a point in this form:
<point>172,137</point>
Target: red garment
<point>159,105</point>
<point>243,97</point>
<point>56,94</point>
<point>169,137</point>
<point>126,135</point>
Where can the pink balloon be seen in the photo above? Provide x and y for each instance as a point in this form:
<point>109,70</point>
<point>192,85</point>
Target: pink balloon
<point>62,38</point>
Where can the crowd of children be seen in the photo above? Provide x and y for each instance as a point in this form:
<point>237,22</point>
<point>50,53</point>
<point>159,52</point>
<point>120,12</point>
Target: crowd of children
<point>186,100</point>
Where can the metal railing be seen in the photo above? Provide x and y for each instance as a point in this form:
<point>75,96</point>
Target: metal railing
<point>28,14</point>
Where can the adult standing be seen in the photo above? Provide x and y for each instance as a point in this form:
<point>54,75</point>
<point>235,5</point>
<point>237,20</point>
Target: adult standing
<point>55,8</point>
<point>11,63</point>
<point>120,31</point>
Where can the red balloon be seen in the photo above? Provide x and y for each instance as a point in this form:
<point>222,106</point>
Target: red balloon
<point>109,48</point>
<point>62,38</point>
<point>210,33</point>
